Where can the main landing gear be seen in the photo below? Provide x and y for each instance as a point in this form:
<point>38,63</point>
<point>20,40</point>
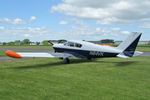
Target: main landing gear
<point>89,58</point>
<point>66,60</point>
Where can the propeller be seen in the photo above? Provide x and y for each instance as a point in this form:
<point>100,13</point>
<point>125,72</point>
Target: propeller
<point>50,42</point>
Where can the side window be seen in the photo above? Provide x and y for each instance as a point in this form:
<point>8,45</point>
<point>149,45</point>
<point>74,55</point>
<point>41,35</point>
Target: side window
<point>71,44</point>
<point>78,45</point>
<point>65,43</point>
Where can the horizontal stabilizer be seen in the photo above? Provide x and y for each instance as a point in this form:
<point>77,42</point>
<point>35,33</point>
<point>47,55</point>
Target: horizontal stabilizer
<point>136,53</point>
<point>122,56</point>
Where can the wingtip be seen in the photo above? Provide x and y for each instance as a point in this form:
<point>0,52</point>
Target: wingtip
<point>12,54</point>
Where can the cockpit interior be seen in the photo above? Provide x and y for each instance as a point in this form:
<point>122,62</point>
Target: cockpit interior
<point>72,44</point>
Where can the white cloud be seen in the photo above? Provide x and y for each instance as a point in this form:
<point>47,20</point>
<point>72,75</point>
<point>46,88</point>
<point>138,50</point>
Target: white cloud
<point>145,25</point>
<point>27,35</point>
<point>106,11</point>
<point>98,29</point>
<point>31,33</point>
<point>116,29</point>
<point>114,34</point>
<point>78,31</point>
<point>63,22</point>
<point>77,21</point>
<point>1,28</point>
<point>16,21</point>
<point>32,19</point>
<point>125,32</point>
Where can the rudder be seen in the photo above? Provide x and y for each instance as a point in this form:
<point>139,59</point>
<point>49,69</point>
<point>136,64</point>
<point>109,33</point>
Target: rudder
<point>129,45</point>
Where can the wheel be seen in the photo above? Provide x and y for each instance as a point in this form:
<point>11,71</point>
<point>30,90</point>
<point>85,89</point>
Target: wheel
<point>66,61</point>
<point>89,58</point>
<point>61,58</point>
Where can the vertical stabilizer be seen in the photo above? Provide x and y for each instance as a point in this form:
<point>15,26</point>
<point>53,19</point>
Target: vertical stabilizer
<point>129,45</point>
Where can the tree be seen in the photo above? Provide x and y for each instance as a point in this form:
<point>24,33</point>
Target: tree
<point>37,43</point>
<point>26,41</point>
<point>149,42</point>
<point>61,41</point>
<point>45,42</point>
<point>17,42</point>
<point>11,43</point>
<point>107,41</point>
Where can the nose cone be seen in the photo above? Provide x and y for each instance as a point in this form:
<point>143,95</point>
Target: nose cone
<point>56,45</point>
<point>13,54</point>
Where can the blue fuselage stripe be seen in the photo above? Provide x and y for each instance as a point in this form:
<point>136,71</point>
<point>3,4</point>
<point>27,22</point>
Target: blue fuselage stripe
<point>86,53</point>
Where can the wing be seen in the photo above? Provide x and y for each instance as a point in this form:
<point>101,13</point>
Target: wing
<point>40,54</point>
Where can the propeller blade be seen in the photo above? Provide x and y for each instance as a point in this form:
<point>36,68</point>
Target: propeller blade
<point>50,42</point>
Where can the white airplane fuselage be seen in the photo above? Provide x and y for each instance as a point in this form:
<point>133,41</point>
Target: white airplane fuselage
<point>87,50</point>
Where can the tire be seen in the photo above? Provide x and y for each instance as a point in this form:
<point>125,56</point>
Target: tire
<point>66,61</point>
<point>89,58</point>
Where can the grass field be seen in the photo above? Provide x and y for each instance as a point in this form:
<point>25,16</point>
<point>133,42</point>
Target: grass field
<point>49,79</point>
<point>143,49</point>
<point>2,53</point>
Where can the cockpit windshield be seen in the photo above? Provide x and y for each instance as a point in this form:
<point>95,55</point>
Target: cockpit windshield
<point>72,44</point>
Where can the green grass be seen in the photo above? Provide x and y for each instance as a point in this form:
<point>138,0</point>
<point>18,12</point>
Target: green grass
<point>2,53</point>
<point>143,49</point>
<point>49,79</point>
<point>146,45</point>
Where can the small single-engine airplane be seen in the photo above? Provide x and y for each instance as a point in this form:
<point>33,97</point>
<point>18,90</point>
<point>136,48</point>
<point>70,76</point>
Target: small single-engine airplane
<point>83,49</point>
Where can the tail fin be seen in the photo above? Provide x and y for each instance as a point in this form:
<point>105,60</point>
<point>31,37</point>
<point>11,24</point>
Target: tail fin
<point>129,45</point>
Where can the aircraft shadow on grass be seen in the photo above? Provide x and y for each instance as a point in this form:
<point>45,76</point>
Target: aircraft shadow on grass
<point>55,64</point>
<point>75,61</point>
<point>120,63</point>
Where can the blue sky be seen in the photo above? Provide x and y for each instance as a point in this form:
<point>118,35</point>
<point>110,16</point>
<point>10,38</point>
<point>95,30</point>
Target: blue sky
<point>73,19</point>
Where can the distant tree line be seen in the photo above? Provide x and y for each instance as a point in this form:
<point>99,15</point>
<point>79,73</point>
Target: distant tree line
<point>109,41</point>
<point>45,42</point>
<point>17,42</point>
